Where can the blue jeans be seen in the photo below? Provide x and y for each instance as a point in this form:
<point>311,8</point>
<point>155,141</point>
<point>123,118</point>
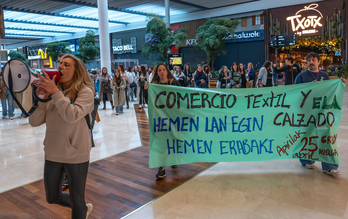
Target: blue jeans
<point>119,108</point>
<point>275,77</point>
<point>324,166</point>
<point>10,105</point>
<point>96,86</point>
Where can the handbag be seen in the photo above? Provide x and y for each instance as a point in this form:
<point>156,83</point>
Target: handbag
<point>133,84</point>
<point>107,88</point>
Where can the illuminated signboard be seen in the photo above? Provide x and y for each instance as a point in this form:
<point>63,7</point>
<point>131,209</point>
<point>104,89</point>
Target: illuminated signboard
<point>306,21</point>
<point>282,40</point>
<point>118,48</point>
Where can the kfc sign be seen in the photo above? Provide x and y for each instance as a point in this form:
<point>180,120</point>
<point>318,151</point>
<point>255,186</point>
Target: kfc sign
<point>306,21</point>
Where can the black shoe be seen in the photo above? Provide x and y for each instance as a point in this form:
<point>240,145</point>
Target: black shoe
<point>161,173</point>
<point>174,166</point>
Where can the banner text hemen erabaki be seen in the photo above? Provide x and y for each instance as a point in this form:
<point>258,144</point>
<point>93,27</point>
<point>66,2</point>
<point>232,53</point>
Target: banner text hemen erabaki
<point>226,125</point>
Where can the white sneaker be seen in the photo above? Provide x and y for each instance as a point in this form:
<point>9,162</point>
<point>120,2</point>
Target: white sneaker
<point>309,166</point>
<point>140,106</point>
<point>145,105</point>
<point>331,172</point>
<point>11,118</point>
<point>89,209</point>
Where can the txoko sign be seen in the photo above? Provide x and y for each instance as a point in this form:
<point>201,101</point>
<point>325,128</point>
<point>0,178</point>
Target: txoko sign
<point>306,21</point>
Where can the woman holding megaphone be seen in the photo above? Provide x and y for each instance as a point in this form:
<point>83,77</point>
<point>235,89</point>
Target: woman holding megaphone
<point>68,138</point>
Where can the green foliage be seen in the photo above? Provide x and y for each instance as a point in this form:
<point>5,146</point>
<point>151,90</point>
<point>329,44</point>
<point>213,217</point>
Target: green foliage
<point>344,71</point>
<point>88,50</point>
<point>162,39</point>
<point>209,36</point>
<point>56,48</point>
<point>13,54</point>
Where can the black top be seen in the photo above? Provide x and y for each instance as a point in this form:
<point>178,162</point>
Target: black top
<point>244,80</point>
<point>290,72</point>
<point>222,80</point>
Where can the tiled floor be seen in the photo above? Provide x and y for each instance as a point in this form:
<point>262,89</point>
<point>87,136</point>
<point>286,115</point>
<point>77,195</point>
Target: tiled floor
<point>272,189</point>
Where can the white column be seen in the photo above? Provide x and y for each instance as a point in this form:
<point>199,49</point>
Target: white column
<point>167,12</point>
<point>104,40</point>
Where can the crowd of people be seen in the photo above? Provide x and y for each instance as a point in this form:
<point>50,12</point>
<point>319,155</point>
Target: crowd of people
<point>67,150</point>
<point>121,86</point>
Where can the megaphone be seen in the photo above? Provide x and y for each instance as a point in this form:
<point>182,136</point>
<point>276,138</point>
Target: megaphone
<point>17,77</point>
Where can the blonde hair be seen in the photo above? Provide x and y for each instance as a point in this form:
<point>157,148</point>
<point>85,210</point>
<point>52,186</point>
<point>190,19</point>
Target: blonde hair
<point>81,79</point>
<point>251,64</point>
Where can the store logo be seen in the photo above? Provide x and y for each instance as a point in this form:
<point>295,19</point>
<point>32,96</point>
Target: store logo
<point>306,25</point>
<point>118,48</point>
<point>122,48</point>
<point>245,36</point>
<point>191,42</point>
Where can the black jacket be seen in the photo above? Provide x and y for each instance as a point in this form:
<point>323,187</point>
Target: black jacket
<point>290,72</point>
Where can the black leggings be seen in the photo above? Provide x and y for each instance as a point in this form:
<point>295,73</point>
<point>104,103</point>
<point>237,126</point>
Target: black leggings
<point>53,180</point>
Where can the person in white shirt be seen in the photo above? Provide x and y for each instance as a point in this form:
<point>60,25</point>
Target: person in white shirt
<point>133,83</point>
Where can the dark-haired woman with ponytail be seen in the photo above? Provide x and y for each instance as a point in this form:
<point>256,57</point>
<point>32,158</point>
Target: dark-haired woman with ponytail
<point>163,76</point>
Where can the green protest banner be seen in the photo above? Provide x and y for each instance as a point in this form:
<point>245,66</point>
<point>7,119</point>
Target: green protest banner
<point>227,125</point>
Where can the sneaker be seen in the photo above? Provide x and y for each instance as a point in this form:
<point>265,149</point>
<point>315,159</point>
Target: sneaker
<point>89,209</point>
<point>3,117</point>
<point>145,105</point>
<point>331,172</point>
<point>11,118</point>
<point>65,181</point>
<point>117,114</point>
<point>161,173</point>
<point>309,166</point>
<point>174,166</point>
<point>140,106</point>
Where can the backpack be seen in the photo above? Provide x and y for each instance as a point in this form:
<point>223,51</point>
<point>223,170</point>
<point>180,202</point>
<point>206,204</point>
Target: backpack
<point>93,115</point>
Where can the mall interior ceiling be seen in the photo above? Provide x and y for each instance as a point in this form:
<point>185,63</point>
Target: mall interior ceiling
<point>44,21</point>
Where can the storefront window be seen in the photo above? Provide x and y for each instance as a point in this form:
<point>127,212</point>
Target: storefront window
<point>244,22</point>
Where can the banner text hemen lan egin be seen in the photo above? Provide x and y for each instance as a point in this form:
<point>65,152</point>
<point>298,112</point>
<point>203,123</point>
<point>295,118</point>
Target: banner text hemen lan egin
<point>226,125</point>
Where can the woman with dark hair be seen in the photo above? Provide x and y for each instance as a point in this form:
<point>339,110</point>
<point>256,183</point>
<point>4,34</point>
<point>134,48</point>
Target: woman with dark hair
<point>126,77</point>
<point>201,79</point>
<point>133,84</point>
<point>188,74</point>
<point>243,74</point>
<point>162,75</point>
<point>206,70</point>
<point>235,77</point>
<point>119,85</point>
<point>223,76</point>
<point>265,75</point>
<point>142,78</point>
<point>68,137</point>
<point>105,92</point>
